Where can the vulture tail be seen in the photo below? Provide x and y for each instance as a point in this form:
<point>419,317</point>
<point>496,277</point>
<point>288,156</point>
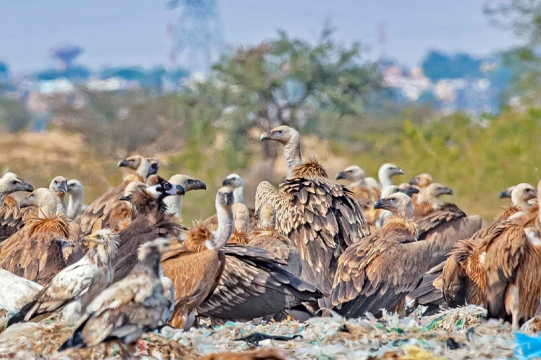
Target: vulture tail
<point>19,317</point>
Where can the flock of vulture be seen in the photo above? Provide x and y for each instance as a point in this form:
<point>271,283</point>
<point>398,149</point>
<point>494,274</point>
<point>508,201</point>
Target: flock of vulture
<point>125,265</point>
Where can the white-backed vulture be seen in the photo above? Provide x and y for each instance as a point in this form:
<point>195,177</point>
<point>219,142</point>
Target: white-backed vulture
<point>103,205</point>
<point>45,245</point>
<point>442,225</point>
<point>11,217</point>
<point>72,289</point>
<point>195,267</point>
<point>188,183</point>
<point>150,222</point>
<point>319,215</point>
<point>463,280</point>
<point>377,272</point>
<point>59,187</point>
<point>512,262</point>
<point>16,291</point>
<point>265,236</point>
<point>386,173</point>
<point>75,204</point>
<point>128,308</point>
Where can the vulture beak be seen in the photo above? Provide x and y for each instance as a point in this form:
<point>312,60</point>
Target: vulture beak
<point>125,198</point>
<point>379,204</point>
<point>123,163</point>
<point>24,203</point>
<point>341,176</point>
<point>226,182</point>
<point>176,190</point>
<point>504,194</point>
<point>227,199</point>
<point>412,181</point>
<point>152,171</point>
<point>199,185</point>
<point>88,239</point>
<point>63,187</point>
<point>27,187</point>
<point>448,191</point>
<point>399,171</point>
<point>264,136</point>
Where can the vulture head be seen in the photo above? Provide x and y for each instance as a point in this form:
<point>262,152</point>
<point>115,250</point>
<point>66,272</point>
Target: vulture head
<point>10,183</point>
<point>224,197</point>
<point>282,134</point>
<point>104,241</point>
<point>150,253</point>
<point>75,187</point>
<point>521,194</point>
<point>44,200</point>
<point>138,164</point>
<point>265,216</point>
<point>387,172</point>
<point>507,192</point>
<point>422,180</point>
<point>161,188</point>
<point>154,166</point>
<point>241,217</point>
<point>59,186</point>
<point>408,189</point>
<point>397,203</point>
<point>435,190</point>
<point>352,173</point>
<point>187,182</point>
<point>233,180</point>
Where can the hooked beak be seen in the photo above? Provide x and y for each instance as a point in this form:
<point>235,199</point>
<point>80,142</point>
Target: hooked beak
<point>504,194</point>
<point>199,185</point>
<point>226,182</point>
<point>264,136</point>
<point>448,191</point>
<point>176,190</point>
<point>24,203</point>
<point>152,171</point>
<point>88,239</point>
<point>410,191</point>
<point>341,176</point>
<point>63,187</point>
<point>27,187</point>
<point>125,198</point>
<point>412,181</point>
<point>123,163</point>
<point>379,204</point>
<point>399,171</point>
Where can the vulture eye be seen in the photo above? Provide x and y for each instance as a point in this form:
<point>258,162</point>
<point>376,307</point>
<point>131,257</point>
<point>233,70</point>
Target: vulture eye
<point>392,200</point>
<point>56,182</point>
<point>14,182</point>
<point>279,131</point>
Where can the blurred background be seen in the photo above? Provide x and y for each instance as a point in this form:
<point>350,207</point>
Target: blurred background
<point>449,88</point>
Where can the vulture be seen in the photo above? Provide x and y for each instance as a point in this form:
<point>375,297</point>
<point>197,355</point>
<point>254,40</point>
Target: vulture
<point>376,217</point>
<point>45,245</point>
<point>365,195</point>
<point>422,180</point>
<point>11,217</point>
<point>463,280</point>
<point>59,187</point>
<point>377,272</point>
<point>507,192</point>
<point>75,205</point>
<point>387,172</point>
<point>235,182</point>
<point>265,236</point>
<point>16,291</point>
<point>188,183</point>
<point>442,225</point>
<point>512,260</point>
<point>128,308</point>
<point>153,166</point>
<point>241,219</point>
<point>150,222</point>
<point>195,267</point>
<point>319,215</point>
<point>72,289</point>
<point>104,205</point>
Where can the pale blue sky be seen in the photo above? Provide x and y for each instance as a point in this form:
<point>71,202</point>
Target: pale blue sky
<point>133,32</point>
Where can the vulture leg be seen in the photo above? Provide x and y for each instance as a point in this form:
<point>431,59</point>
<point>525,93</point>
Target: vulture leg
<point>513,304</point>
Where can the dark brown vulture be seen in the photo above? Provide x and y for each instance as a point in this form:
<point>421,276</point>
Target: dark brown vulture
<point>105,204</point>
<point>150,222</point>
<point>464,277</point>
<point>377,272</point>
<point>195,267</point>
<point>319,215</point>
<point>45,245</point>
<point>128,308</point>
<point>11,217</point>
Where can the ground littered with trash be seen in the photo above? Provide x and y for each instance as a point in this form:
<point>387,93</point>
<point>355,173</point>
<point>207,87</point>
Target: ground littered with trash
<point>461,333</point>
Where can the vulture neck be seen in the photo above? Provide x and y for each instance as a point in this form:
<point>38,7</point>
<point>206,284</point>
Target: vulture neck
<point>143,170</point>
<point>385,179</point>
<point>75,205</point>
<point>173,204</point>
<point>60,204</point>
<point>225,227</point>
<point>357,183</point>
<point>238,195</point>
<point>292,152</point>
<point>150,264</point>
<point>48,211</point>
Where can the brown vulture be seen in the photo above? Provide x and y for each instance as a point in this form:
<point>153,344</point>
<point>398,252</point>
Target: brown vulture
<point>11,216</point>
<point>319,215</point>
<point>377,272</point>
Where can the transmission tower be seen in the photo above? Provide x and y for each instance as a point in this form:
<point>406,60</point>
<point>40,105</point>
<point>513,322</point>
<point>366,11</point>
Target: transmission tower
<point>198,36</point>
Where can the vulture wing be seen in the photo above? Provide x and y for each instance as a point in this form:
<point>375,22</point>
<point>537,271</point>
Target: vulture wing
<point>12,219</point>
<point>253,284</point>
<point>279,246</point>
<point>378,272</point>
<point>16,291</point>
<point>320,217</point>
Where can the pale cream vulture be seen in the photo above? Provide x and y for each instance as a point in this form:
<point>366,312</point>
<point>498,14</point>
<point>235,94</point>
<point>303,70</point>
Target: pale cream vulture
<point>76,193</point>
<point>188,183</point>
<point>377,272</point>
<point>11,217</point>
<point>319,215</point>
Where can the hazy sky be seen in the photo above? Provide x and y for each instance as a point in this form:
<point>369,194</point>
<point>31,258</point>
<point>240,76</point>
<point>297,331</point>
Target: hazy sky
<point>133,32</point>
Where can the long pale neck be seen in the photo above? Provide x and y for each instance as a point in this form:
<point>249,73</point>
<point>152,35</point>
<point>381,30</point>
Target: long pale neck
<point>143,169</point>
<point>225,227</point>
<point>238,195</point>
<point>385,180</point>
<point>60,205</point>
<point>75,205</point>
<point>292,152</point>
<point>174,205</point>
<point>48,211</point>
<point>356,183</point>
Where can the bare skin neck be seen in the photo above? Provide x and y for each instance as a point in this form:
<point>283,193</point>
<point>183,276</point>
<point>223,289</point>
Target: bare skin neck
<point>292,152</point>
<point>238,195</point>
<point>174,205</point>
<point>75,205</point>
<point>225,226</point>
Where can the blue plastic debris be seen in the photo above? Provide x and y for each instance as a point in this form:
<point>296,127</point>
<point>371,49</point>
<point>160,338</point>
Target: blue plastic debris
<point>527,347</point>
